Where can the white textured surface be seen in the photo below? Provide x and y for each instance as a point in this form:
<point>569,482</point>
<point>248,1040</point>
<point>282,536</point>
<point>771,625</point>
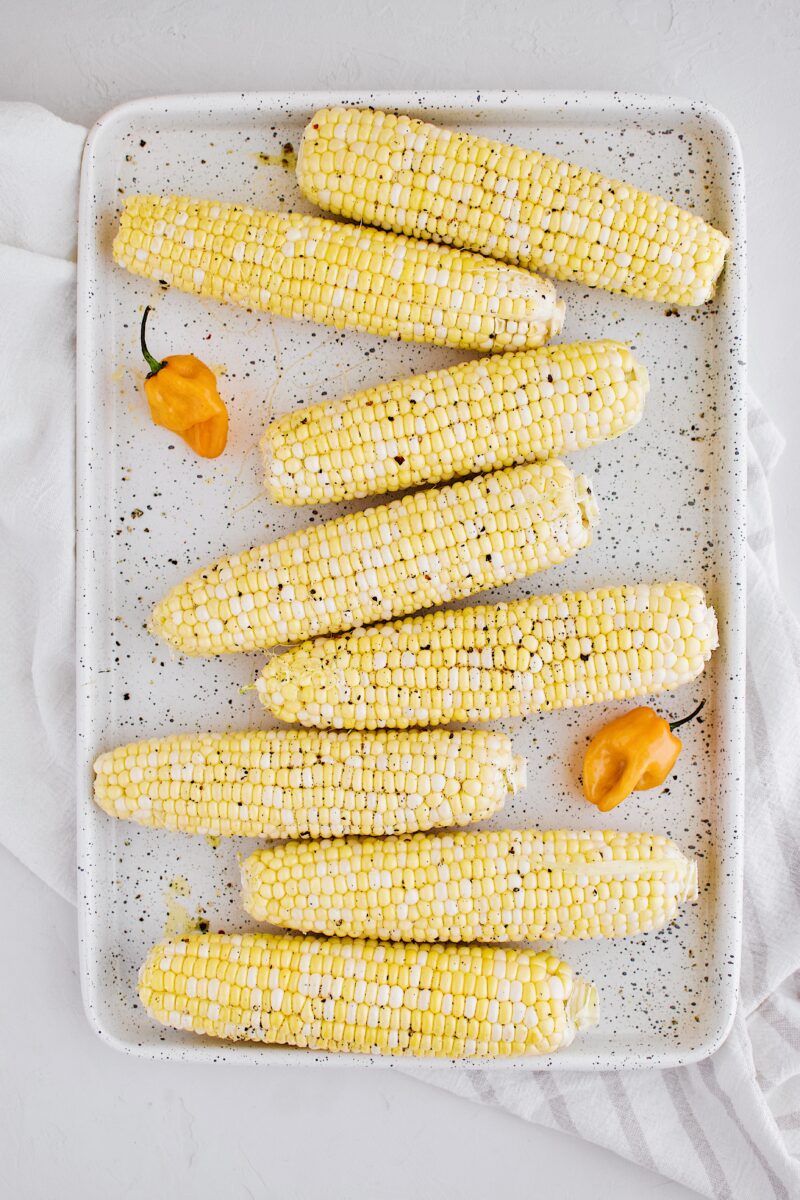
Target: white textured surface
<point>105,1125</point>
<point>664,999</point>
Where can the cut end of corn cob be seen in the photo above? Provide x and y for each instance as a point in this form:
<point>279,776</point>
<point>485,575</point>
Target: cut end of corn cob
<point>297,783</point>
<point>351,277</point>
<point>495,886</point>
<point>374,998</point>
<point>488,662</point>
<point>513,204</point>
<point>475,416</point>
<point>422,550</point>
<point>586,501</point>
<point>518,774</point>
<point>584,1008</point>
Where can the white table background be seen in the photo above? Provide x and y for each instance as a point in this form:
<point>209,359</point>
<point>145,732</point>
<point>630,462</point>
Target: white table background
<point>77,1119</point>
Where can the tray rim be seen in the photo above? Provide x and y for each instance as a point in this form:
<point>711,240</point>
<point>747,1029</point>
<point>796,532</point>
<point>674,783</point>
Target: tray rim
<point>423,101</point>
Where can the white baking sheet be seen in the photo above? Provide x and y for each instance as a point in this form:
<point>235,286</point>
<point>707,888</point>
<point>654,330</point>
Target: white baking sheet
<point>672,506</point>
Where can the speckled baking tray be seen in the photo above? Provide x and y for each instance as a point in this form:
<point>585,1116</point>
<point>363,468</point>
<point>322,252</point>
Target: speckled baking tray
<point>672,504</point>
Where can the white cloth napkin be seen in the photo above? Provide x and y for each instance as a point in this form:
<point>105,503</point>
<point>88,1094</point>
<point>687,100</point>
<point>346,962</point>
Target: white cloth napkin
<point>728,1127</point>
<point>39,166</point>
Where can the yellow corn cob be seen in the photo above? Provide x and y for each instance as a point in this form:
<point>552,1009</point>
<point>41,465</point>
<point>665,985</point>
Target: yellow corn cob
<point>501,886</point>
<point>476,416</point>
<point>519,205</point>
<point>365,996</point>
<point>296,783</point>
<point>422,550</point>
<point>293,265</point>
<point>488,662</point>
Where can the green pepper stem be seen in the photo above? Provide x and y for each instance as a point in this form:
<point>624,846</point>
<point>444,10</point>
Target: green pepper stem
<point>153,363</point>
<point>677,724</point>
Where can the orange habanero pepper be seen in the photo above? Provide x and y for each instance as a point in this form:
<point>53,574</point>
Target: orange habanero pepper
<point>632,753</point>
<point>183,397</point>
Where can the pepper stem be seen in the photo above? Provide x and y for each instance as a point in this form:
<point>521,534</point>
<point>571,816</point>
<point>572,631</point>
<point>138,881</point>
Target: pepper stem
<point>677,724</point>
<point>153,363</point>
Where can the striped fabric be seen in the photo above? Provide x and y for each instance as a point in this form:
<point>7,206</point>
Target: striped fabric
<point>728,1127</point>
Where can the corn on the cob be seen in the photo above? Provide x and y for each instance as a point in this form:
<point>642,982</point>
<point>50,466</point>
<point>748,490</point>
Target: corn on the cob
<point>422,550</point>
<point>293,265</point>
<point>519,205</point>
<point>500,886</point>
<point>295,783</point>
<point>477,416</point>
<point>492,661</point>
<point>365,996</point>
